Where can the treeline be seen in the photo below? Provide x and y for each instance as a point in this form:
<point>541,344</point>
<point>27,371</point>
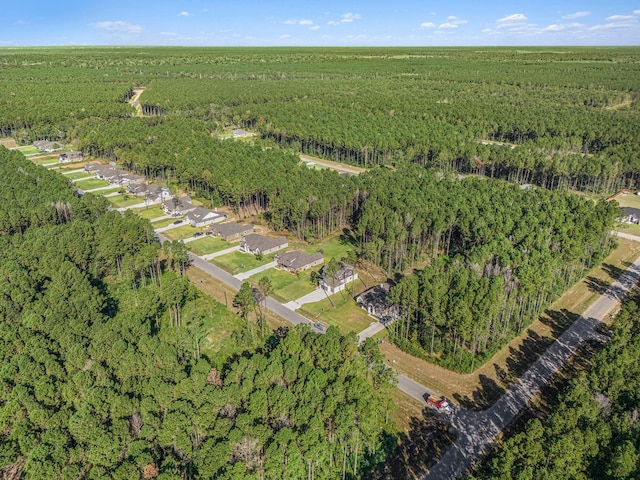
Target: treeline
<point>496,255</point>
<point>593,430</point>
<point>103,376</point>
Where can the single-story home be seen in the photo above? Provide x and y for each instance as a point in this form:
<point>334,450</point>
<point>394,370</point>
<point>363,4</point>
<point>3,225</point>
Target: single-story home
<point>47,146</point>
<point>338,282</point>
<point>95,167</point>
<point>201,217</point>
<point>178,206</point>
<point>630,215</point>
<point>239,133</point>
<point>73,156</point>
<point>231,230</point>
<point>259,244</point>
<point>129,178</point>
<point>297,261</point>
<point>376,301</point>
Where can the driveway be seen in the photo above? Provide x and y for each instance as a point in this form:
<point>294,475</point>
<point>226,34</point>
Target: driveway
<point>245,275</point>
<point>315,296</point>
<point>209,256</point>
<point>370,331</point>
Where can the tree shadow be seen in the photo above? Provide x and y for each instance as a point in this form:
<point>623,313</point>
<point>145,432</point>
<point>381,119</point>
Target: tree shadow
<point>558,320</point>
<point>529,351</point>
<point>596,285</point>
<point>483,397</point>
<point>613,270</point>
<point>417,450</point>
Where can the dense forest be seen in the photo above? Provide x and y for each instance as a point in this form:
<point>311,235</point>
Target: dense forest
<point>594,431</point>
<point>102,372</point>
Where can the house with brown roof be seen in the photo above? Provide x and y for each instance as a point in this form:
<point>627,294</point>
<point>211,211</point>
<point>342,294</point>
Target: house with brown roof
<point>261,245</point>
<point>297,261</point>
<point>73,156</point>
<point>230,230</point>
<point>201,217</point>
<point>338,281</point>
<point>47,146</point>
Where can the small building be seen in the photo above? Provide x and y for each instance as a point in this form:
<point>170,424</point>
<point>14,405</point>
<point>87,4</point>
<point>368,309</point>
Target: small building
<point>73,156</point>
<point>631,215</point>
<point>201,217</point>
<point>230,230</point>
<point>337,282</point>
<point>376,301</point>
<point>178,206</point>
<point>297,261</point>
<point>261,245</point>
<point>240,133</point>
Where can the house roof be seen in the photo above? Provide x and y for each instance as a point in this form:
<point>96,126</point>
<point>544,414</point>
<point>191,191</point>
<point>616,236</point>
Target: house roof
<point>181,204</point>
<point>258,242</point>
<point>297,259</point>
<point>199,214</point>
<point>376,297</point>
<point>631,211</point>
<point>231,228</point>
<point>343,272</point>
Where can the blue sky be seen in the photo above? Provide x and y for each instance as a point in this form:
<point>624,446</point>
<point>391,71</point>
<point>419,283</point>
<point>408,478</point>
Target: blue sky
<point>320,23</point>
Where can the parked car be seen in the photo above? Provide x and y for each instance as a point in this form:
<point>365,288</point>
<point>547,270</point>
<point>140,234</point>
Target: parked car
<point>198,234</point>
<point>177,222</point>
<point>319,326</point>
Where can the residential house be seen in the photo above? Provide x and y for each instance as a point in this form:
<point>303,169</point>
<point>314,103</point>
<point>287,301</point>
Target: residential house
<point>631,215</point>
<point>129,178</point>
<point>201,217</point>
<point>239,133</point>
<point>261,245</point>
<point>337,282</point>
<point>95,168</point>
<point>73,156</point>
<point>47,146</point>
<point>376,302</point>
<point>230,230</point>
<point>297,261</point>
<point>178,206</point>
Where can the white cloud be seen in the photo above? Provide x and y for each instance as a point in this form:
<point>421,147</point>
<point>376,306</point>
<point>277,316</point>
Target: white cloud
<point>562,26</point>
<point>185,14</point>
<point>285,36</point>
<point>302,21</point>
<point>118,26</point>
<point>428,25</point>
<point>574,16</point>
<point>515,18</point>
<point>346,18</point>
<point>620,18</point>
<point>451,17</point>
<point>315,27</point>
<point>636,12</point>
<point>444,26</point>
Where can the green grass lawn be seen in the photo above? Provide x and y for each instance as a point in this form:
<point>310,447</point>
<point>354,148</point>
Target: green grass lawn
<point>78,175</point>
<point>628,200</point>
<point>286,286</point>
<point>150,212</point>
<point>163,223</point>
<point>344,313</point>
<point>332,247</point>
<point>28,150</point>
<point>630,228</point>
<point>91,184</point>
<point>108,191</point>
<point>209,244</point>
<point>182,232</point>
<point>238,262</point>
<point>125,200</point>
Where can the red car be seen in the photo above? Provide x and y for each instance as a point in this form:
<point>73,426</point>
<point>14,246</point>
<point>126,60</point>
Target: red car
<point>439,403</point>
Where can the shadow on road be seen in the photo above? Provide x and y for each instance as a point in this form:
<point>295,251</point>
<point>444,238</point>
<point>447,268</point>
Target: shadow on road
<point>484,396</point>
<point>417,450</point>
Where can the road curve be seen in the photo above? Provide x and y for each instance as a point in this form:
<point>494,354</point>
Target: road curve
<point>478,430</point>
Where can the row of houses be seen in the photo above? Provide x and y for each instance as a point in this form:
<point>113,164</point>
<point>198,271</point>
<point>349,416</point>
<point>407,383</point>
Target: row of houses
<point>48,146</point>
<point>113,175</point>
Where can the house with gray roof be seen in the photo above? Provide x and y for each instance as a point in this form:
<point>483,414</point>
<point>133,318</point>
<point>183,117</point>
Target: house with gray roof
<point>73,156</point>
<point>297,261</point>
<point>337,282</point>
<point>376,301</point>
<point>201,217</point>
<point>230,230</point>
<point>261,245</point>
<point>178,206</point>
<point>47,146</point>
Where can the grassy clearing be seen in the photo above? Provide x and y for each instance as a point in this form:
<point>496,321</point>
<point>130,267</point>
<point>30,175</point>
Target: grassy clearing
<point>78,175</point>
<point>28,150</point>
<point>484,386</point>
<point>164,223</point>
<point>91,184</point>
<point>404,410</point>
<point>182,232</point>
<point>339,310</point>
<point>150,212</point>
<point>287,286</point>
<point>628,200</point>
<point>108,191</point>
<point>124,200</point>
<point>209,244</point>
<point>238,262</point>
<point>333,247</point>
<point>630,228</point>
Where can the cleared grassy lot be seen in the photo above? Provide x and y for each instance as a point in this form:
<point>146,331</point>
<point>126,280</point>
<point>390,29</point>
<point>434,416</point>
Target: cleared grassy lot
<point>333,247</point>
<point>238,262</point>
<point>151,212</point>
<point>286,286</point>
<point>124,200</point>
<point>339,310</point>
<point>209,244</point>
<point>91,184</point>
<point>628,200</point>
<point>163,223</point>
<point>77,175</point>
<point>28,150</point>
<point>180,233</point>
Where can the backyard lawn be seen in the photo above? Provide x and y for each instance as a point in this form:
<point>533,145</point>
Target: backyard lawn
<point>209,244</point>
<point>333,247</point>
<point>150,212</point>
<point>179,233</point>
<point>286,286</point>
<point>238,262</point>
<point>339,310</point>
<point>91,184</point>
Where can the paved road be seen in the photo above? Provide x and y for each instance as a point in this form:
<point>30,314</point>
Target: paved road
<point>478,430</point>
<point>628,236</point>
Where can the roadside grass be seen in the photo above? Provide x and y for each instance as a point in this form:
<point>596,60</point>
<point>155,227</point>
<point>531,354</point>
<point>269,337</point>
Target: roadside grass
<point>50,160</point>
<point>630,228</point>
<point>209,244</point>
<point>286,286</point>
<point>404,410</point>
<point>124,200</point>
<point>483,387</point>
<point>91,184</point>
<point>238,262</point>
<point>340,310</point>
<point>150,212</point>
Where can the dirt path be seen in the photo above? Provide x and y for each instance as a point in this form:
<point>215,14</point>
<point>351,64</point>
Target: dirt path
<point>134,101</point>
<point>339,167</point>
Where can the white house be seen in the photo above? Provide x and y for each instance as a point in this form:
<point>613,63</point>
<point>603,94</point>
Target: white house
<point>338,282</point>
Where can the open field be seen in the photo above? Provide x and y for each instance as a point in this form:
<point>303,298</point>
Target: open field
<point>484,386</point>
<point>209,244</point>
<point>238,262</point>
<point>8,142</point>
<point>28,150</point>
<point>180,233</point>
<point>340,310</point>
<point>91,184</point>
<point>124,200</point>
<point>286,286</point>
<point>332,247</point>
<point>151,212</point>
